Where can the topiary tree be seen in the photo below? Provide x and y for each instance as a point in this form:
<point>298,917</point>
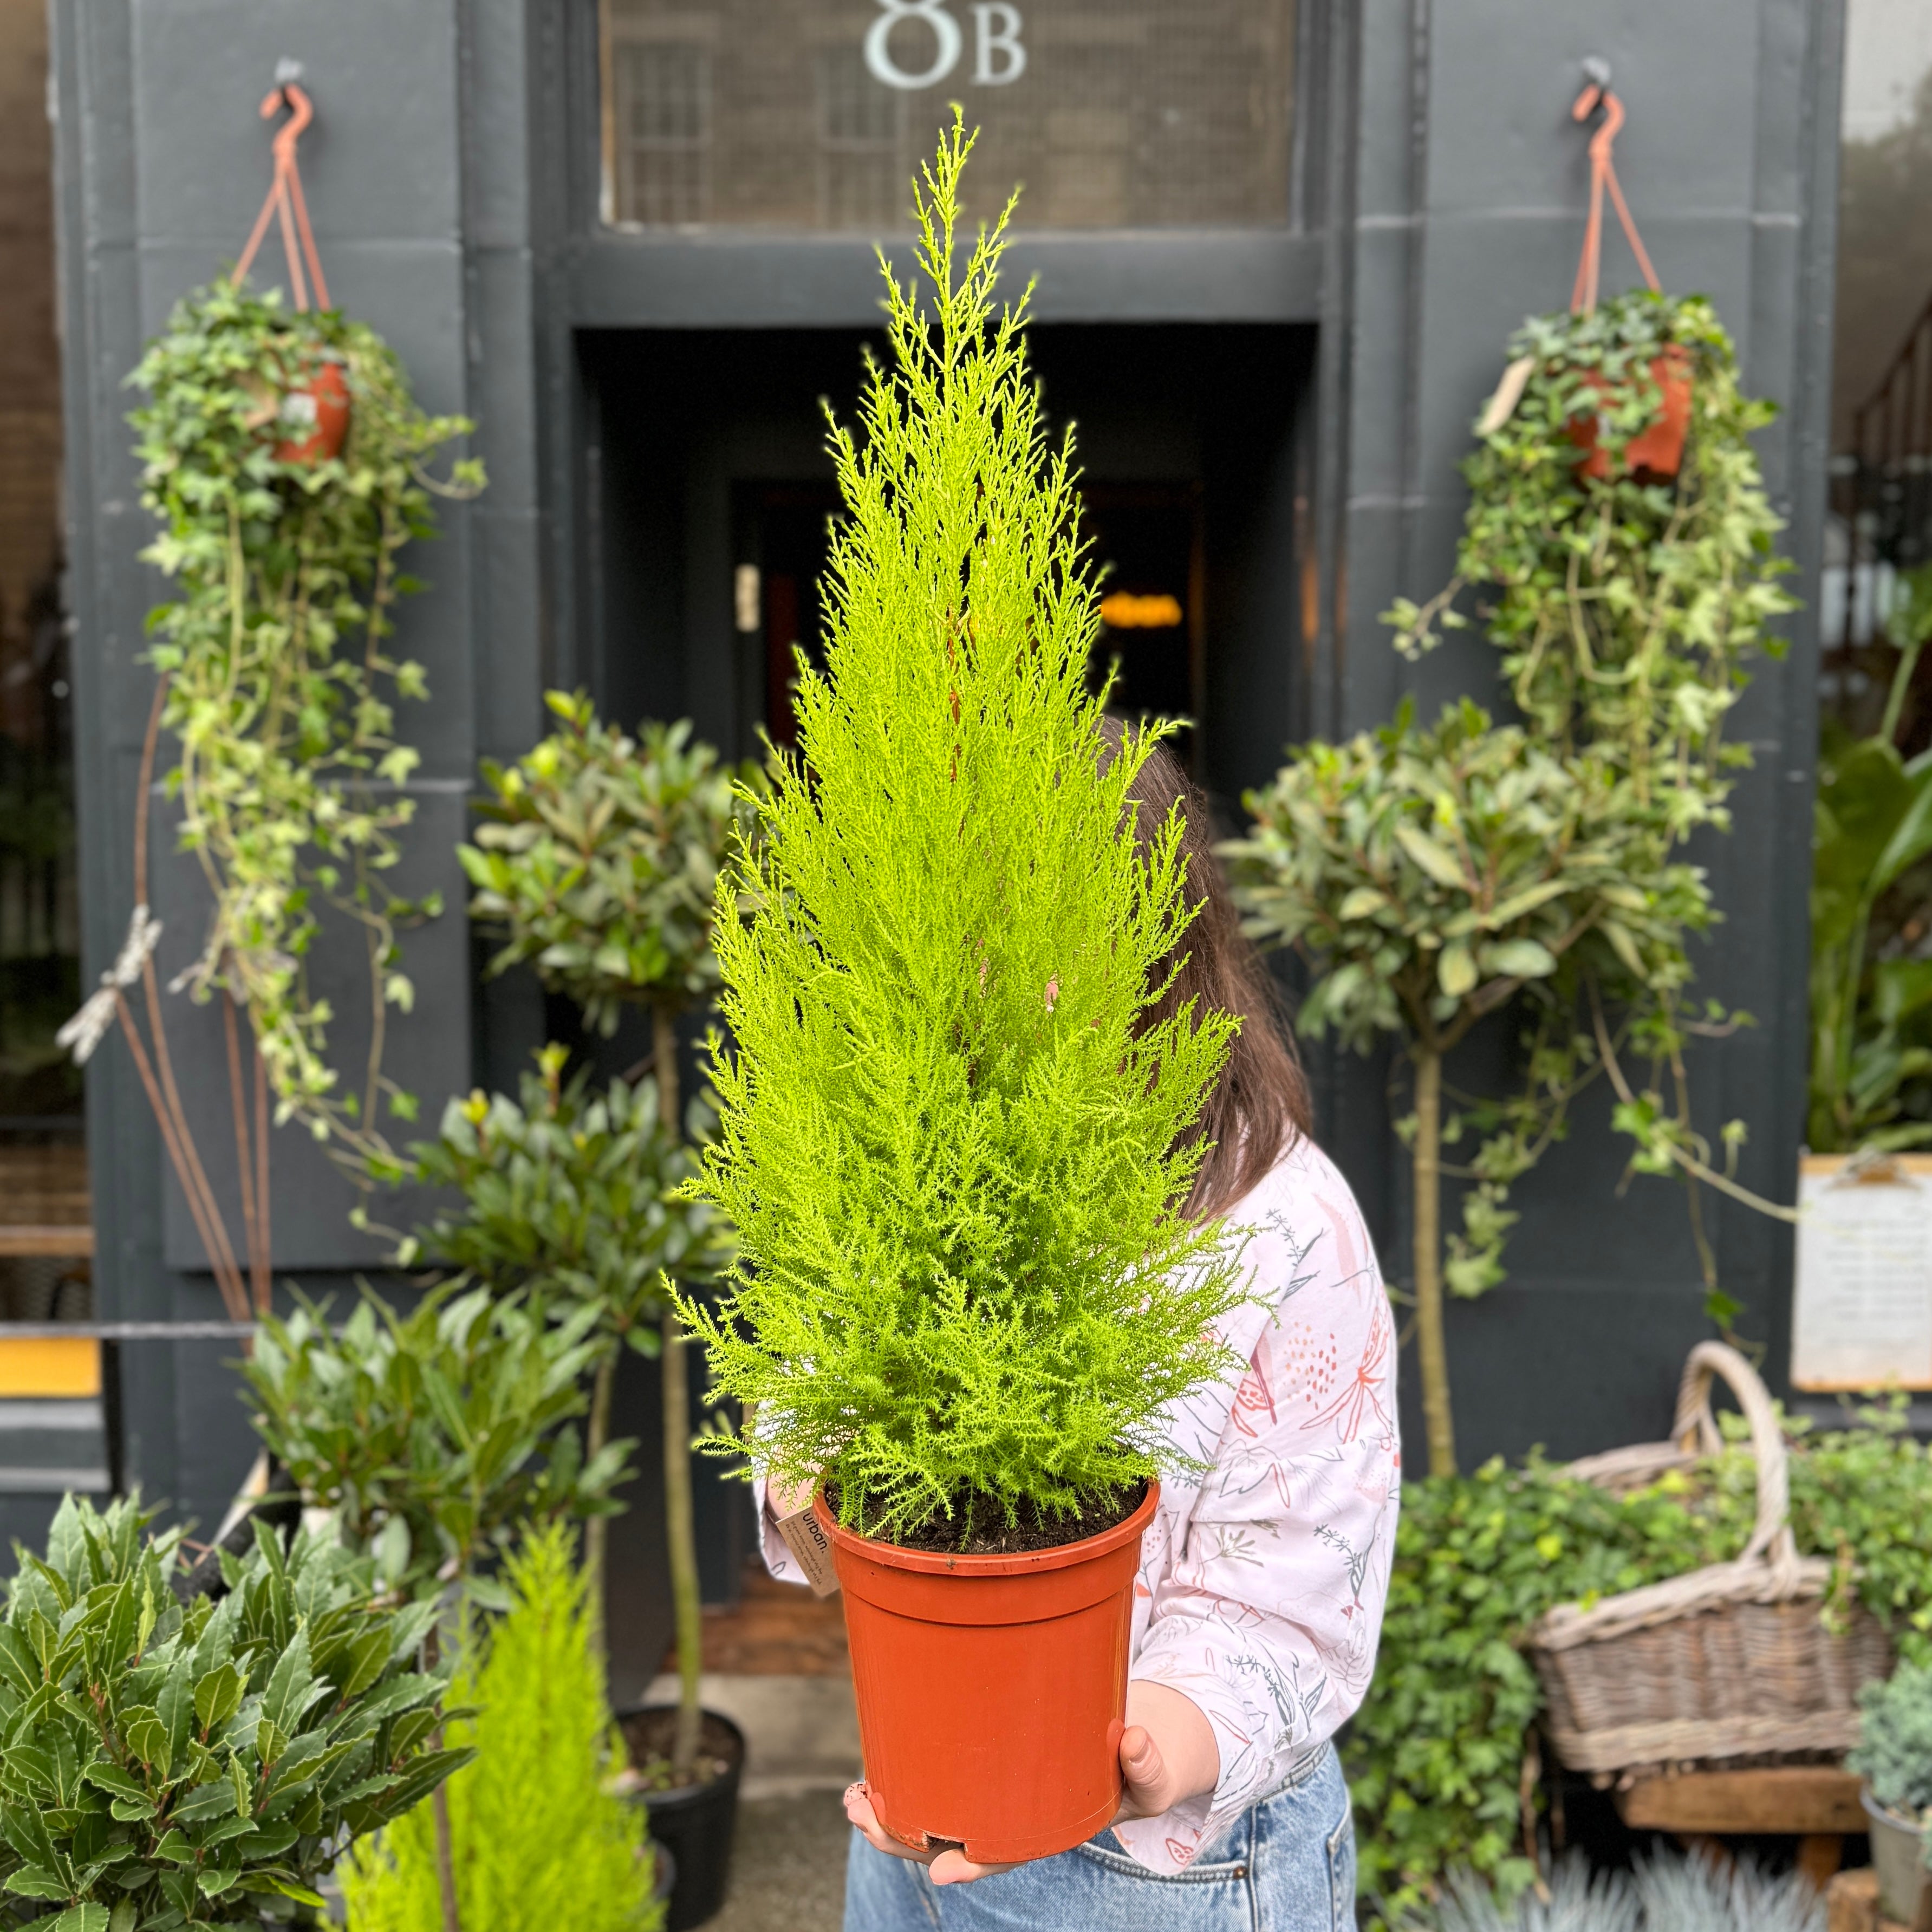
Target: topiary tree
<point>173,1764</point>
<point>434,1438</point>
<point>1434,878</point>
<point>1431,878</point>
<point>437,1437</point>
<point>574,1196</point>
<point>599,856</point>
<point>953,1143</point>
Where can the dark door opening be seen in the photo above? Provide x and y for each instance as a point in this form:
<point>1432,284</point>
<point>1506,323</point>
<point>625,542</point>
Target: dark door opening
<point>713,489</point>
<point>1145,542</point>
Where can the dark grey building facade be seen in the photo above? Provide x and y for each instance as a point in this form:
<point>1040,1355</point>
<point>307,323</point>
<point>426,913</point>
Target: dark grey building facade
<point>637,248</point>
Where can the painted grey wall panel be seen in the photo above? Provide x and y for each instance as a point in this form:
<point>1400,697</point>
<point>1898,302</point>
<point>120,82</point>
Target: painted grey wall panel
<point>380,161</point>
<point>1502,79</point>
<point>426,1051</point>
<point>495,56</point>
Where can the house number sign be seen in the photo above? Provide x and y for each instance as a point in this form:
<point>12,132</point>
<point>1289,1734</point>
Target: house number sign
<point>999,57</point>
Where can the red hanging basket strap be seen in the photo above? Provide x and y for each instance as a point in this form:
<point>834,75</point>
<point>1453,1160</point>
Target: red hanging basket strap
<point>1603,175</point>
<point>285,199</point>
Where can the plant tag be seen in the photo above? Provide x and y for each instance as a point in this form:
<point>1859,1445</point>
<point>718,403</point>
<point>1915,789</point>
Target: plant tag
<point>811,1548</point>
<point>1502,406</point>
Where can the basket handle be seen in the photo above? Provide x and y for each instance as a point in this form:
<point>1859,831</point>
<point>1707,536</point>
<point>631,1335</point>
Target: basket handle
<point>1772,1536</point>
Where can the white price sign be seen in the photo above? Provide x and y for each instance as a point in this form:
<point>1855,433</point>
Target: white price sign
<point>1863,1315</point>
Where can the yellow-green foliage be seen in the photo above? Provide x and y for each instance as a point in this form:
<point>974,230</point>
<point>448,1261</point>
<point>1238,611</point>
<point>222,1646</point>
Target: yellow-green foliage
<point>538,1840</point>
<point>948,1148</point>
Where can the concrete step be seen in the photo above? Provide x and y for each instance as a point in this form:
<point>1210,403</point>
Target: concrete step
<point>49,1444</point>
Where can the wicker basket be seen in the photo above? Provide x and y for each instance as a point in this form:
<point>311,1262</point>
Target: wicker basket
<point>1731,1660</point>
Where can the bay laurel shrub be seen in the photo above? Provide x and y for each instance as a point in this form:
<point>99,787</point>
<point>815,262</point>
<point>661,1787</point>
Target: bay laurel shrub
<point>203,1763</point>
<point>953,1148</point>
<point>1436,1756</point>
<point>539,1834</point>
<point>434,1437</point>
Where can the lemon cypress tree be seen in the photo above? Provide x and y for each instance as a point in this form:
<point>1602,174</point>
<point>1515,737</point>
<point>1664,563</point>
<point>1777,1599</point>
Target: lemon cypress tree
<point>953,1143</point>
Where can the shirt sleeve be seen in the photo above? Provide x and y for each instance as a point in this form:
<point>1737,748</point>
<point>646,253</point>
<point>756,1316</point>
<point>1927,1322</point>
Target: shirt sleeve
<point>1268,1618</point>
<point>777,1553</point>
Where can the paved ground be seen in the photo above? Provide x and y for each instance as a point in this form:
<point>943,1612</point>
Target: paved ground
<point>788,1871</point>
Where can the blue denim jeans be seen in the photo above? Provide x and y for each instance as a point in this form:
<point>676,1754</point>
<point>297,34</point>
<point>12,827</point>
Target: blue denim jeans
<point>1286,1864</point>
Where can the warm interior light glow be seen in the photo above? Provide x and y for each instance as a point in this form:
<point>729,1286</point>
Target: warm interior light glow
<point>1122,610</point>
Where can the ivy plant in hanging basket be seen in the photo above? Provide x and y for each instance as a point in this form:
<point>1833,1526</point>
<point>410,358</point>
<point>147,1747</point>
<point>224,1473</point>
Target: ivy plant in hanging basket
<point>951,1144</point>
<point>287,462</point>
<point>1408,867</point>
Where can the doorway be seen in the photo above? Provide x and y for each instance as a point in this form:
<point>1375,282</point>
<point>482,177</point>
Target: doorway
<point>1145,540</point>
<point>707,461</point>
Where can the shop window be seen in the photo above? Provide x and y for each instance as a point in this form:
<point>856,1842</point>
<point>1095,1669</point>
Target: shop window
<point>812,114</point>
<point>662,110</point>
<point>1880,523</point>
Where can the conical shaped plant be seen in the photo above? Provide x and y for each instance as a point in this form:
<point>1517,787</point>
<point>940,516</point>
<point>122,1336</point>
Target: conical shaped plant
<point>955,1147</point>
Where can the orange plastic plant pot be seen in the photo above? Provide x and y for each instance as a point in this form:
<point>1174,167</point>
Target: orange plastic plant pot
<point>329,392</point>
<point>992,1690</point>
<point>1656,451</point>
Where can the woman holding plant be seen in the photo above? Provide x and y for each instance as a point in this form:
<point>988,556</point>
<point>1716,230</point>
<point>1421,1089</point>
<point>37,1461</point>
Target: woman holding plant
<point>1260,1591</point>
<point>1043,1295</point>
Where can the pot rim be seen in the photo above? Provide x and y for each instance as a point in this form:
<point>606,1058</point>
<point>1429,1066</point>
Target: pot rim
<point>1904,1820</point>
<point>1026,1562</point>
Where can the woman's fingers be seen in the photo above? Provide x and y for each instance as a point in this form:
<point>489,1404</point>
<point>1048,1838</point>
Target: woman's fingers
<point>865,1820</point>
<point>954,1867</point>
<point>949,1867</point>
<point>1144,1771</point>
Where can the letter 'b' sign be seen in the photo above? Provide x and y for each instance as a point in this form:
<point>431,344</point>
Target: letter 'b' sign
<point>998,56</point>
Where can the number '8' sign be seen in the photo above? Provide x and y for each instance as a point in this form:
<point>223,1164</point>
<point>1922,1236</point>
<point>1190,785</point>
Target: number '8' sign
<point>998,57</point>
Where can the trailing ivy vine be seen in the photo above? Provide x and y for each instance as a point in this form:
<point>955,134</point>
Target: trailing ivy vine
<point>1431,877</point>
<point>1440,1759</point>
<point>281,685</point>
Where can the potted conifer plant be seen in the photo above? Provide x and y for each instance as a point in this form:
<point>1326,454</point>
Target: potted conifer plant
<point>952,1137</point>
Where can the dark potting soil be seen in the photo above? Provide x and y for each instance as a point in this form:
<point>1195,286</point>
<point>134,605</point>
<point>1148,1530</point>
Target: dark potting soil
<point>650,1736</point>
<point>978,1527</point>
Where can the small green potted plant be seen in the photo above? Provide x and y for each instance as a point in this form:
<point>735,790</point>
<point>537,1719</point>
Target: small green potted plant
<point>538,1817</point>
<point>1895,1759</point>
<point>953,1136</point>
<point>171,1764</point>
<point>572,1193</point>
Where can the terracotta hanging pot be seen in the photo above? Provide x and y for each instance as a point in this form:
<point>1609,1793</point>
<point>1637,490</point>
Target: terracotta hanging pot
<point>322,405</point>
<point>1656,452</point>
<point>992,1690</point>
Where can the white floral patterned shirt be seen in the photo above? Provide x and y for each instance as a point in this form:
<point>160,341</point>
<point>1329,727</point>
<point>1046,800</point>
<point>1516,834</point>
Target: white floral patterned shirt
<point>1261,1582</point>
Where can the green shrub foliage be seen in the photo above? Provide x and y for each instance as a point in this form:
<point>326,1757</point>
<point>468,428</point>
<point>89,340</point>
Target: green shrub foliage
<point>574,1194</point>
<point>538,1834</point>
<point>434,1436</point>
<point>1435,1756</point>
<point>282,686</point>
<point>202,1764</point>
<point>949,1147</point>
<point>1894,1753</point>
<point>599,855</point>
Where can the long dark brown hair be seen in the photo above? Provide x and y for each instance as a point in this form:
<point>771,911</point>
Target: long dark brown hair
<point>1260,1106</point>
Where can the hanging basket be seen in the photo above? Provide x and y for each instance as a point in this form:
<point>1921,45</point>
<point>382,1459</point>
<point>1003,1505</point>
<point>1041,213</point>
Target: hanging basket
<point>1656,453</point>
<point>1730,1660</point>
<point>315,415</point>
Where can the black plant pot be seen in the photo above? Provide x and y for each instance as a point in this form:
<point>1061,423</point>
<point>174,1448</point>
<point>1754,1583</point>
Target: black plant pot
<point>695,1825</point>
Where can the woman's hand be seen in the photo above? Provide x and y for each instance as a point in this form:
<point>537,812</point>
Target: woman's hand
<point>1168,1753</point>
